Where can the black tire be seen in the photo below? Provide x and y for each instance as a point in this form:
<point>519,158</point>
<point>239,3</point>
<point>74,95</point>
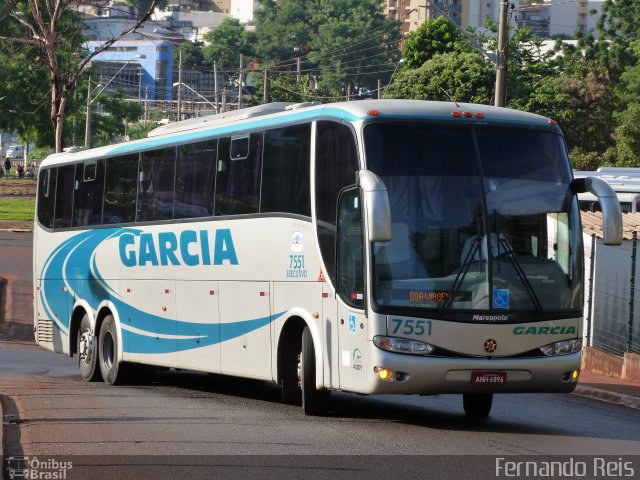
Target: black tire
<point>314,401</point>
<point>291,391</point>
<point>477,405</point>
<point>87,349</point>
<point>113,372</point>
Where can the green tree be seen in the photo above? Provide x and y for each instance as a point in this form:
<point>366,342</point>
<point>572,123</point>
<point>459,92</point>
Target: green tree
<point>339,41</point>
<point>225,43</point>
<point>627,135</point>
<point>283,30</point>
<point>462,77</point>
<point>434,36</point>
<point>50,33</point>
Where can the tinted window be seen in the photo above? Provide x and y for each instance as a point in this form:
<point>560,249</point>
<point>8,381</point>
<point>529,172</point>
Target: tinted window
<point>239,147</point>
<point>285,173</point>
<point>120,189</point>
<point>46,196</point>
<point>87,205</point>
<point>195,180</point>
<point>64,196</point>
<point>336,166</point>
<point>156,179</point>
<point>350,252</point>
<point>238,180</point>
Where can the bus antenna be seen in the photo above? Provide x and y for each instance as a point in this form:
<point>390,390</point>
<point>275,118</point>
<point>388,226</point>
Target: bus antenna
<point>449,97</point>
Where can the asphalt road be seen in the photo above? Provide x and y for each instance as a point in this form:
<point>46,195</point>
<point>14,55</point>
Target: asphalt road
<point>185,425</point>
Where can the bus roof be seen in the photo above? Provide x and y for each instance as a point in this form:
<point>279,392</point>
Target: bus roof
<point>281,113</point>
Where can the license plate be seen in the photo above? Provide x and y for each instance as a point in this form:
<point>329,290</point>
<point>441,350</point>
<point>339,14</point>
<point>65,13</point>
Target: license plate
<point>488,378</point>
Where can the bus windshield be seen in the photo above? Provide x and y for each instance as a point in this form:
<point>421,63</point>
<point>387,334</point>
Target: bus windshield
<point>482,220</point>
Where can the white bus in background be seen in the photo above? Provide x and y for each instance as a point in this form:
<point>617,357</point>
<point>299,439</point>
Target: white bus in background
<point>625,182</point>
<point>376,247</point>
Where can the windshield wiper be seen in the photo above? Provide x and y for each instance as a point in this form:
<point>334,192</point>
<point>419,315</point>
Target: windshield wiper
<point>464,268</point>
<point>511,255</point>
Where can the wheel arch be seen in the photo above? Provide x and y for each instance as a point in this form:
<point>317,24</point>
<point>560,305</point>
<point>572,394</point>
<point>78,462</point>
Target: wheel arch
<point>290,341</point>
<point>108,308</point>
<point>80,308</point>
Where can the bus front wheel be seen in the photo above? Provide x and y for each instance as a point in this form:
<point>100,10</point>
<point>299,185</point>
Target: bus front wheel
<point>113,371</point>
<point>477,405</point>
<point>87,352</point>
<point>314,401</point>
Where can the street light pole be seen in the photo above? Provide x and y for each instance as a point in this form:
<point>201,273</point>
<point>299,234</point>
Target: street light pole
<point>501,71</point>
<point>179,85</point>
<point>87,129</point>
<point>87,126</point>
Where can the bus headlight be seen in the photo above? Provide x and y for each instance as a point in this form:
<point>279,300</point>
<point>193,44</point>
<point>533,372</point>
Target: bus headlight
<point>562,348</point>
<point>403,345</point>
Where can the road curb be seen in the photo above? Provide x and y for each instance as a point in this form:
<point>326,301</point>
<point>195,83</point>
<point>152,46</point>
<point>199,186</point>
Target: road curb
<point>607,396</point>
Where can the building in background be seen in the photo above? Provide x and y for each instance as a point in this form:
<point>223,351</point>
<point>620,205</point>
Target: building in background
<point>463,13</point>
<point>138,68</point>
<point>242,10</point>
<point>548,18</point>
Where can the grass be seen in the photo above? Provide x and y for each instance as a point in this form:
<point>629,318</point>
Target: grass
<point>21,209</point>
<point>17,202</point>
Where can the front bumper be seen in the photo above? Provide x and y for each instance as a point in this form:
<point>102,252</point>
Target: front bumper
<point>435,375</point>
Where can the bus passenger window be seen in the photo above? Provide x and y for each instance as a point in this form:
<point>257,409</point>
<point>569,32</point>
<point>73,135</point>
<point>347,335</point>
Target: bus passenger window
<point>238,179</point>
<point>195,179</point>
<point>87,204</point>
<point>64,196</point>
<point>120,189</point>
<point>46,196</point>
<point>286,171</point>
<point>156,181</point>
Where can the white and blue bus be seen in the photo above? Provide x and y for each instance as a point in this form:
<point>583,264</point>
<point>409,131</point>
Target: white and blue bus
<point>377,247</point>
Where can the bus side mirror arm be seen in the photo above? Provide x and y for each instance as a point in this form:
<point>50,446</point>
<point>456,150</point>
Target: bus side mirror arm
<point>609,203</point>
<point>376,203</point>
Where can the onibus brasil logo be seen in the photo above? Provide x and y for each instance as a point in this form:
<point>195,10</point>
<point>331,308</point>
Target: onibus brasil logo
<point>35,468</point>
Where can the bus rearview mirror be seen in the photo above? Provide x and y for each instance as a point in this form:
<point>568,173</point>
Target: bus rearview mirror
<point>377,210</point>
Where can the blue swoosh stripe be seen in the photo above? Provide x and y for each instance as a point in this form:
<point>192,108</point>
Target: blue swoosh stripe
<point>70,262</point>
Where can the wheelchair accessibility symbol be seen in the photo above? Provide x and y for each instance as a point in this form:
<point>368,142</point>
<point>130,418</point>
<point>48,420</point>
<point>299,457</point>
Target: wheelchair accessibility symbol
<point>501,298</point>
<point>352,324</point>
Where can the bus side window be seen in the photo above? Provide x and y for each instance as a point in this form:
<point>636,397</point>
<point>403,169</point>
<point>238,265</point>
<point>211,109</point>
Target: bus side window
<point>238,178</point>
<point>64,196</point>
<point>156,181</point>
<point>335,168</point>
<point>120,190</point>
<point>87,204</point>
<point>350,249</point>
<point>286,171</point>
<point>195,179</point>
<point>46,196</point>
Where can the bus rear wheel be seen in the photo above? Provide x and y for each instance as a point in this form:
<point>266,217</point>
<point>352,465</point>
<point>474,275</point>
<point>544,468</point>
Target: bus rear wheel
<point>87,349</point>
<point>477,405</point>
<point>314,401</point>
<point>113,371</point>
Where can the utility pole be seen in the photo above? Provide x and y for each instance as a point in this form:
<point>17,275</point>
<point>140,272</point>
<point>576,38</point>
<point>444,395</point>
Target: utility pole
<point>240,82</point>
<point>265,86</point>
<point>215,85</point>
<point>501,67</point>
<point>87,129</point>
<point>179,85</point>
<point>379,89</point>
<point>298,70</point>
<point>146,103</point>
